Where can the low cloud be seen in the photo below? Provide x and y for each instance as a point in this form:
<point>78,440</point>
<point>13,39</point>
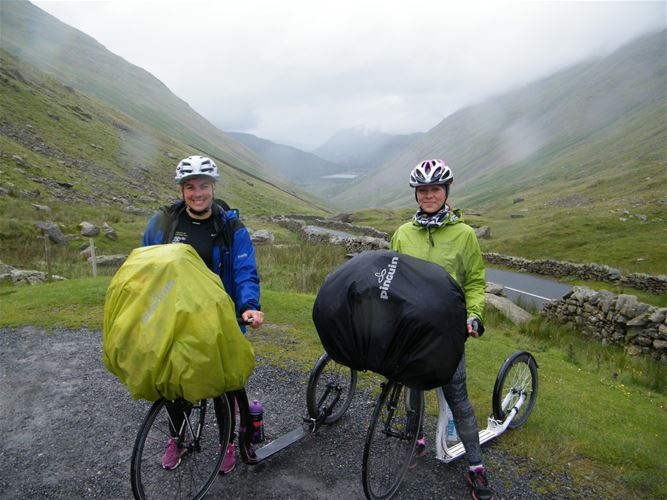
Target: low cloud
<point>297,71</point>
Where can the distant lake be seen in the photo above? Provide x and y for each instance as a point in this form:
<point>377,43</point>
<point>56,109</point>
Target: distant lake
<point>341,176</point>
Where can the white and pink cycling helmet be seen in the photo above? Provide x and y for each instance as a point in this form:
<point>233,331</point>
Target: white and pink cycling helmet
<point>431,173</point>
<point>196,166</point>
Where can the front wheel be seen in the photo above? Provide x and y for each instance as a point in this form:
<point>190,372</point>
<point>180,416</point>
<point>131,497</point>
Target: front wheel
<point>517,377</point>
<point>202,433</point>
<point>391,438</point>
<point>330,389</point>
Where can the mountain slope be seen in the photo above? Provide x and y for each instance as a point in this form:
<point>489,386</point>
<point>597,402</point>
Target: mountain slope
<point>362,150</point>
<point>67,157</point>
<point>583,117</point>
<point>298,166</point>
<point>81,62</point>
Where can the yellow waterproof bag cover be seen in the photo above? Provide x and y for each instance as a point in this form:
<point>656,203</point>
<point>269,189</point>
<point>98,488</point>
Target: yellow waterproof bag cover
<point>170,329</point>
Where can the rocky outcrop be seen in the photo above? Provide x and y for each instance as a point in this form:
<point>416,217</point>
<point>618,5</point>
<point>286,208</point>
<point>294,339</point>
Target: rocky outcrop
<point>613,319</point>
<point>494,296</point>
<point>507,308</point>
<point>53,231</point>
<point>9,274</point>
<point>589,272</point>
<point>262,237</point>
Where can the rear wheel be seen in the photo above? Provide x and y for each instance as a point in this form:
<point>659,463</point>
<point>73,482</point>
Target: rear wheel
<point>203,439</point>
<point>391,438</point>
<point>517,377</point>
<point>330,389</point>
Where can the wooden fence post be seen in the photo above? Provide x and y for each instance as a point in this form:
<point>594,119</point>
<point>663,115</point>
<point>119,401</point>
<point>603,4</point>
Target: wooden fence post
<point>92,257</point>
<point>47,254</point>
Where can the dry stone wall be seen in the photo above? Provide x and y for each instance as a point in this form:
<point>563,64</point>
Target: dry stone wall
<point>613,319</point>
<point>339,225</point>
<point>591,272</point>
<point>314,233</point>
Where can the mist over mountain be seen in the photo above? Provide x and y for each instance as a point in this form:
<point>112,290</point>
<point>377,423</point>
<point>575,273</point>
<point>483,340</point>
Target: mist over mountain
<point>37,38</point>
<point>83,133</point>
<point>602,119</point>
<point>297,165</point>
<point>361,150</point>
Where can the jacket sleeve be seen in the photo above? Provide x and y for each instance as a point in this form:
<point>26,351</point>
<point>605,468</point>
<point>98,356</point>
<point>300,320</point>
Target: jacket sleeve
<point>395,240</point>
<point>244,272</point>
<point>475,278</point>
<point>152,235</point>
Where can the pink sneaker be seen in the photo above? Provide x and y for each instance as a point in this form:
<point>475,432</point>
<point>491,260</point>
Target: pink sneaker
<point>420,447</point>
<point>420,451</point>
<point>229,462</point>
<point>172,455</point>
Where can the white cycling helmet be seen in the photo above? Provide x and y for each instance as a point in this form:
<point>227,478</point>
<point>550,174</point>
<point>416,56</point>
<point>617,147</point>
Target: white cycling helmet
<point>196,166</point>
<point>431,173</point>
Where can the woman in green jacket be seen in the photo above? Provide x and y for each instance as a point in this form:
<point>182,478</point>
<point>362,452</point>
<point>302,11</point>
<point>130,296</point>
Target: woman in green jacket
<point>438,234</point>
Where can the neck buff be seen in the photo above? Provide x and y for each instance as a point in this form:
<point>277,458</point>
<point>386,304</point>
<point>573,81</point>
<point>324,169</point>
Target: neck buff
<point>434,220</point>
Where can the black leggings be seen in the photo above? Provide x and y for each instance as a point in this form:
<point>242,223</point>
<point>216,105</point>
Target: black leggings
<point>456,394</point>
<point>178,407</point>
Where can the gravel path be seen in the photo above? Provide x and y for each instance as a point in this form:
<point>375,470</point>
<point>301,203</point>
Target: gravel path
<point>68,427</point>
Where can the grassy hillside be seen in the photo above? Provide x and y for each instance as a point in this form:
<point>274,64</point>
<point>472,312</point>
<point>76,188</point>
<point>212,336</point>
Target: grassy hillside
<point>81,62</point>
<point>84,160</point>
<point>586,150</point>
<point>536,131</point>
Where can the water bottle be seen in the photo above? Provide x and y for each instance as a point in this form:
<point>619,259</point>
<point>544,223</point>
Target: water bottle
<point>257,422</point>
<point>451,437</point>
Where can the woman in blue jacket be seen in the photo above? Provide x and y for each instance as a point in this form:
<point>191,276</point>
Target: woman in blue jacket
<point>223,243</point>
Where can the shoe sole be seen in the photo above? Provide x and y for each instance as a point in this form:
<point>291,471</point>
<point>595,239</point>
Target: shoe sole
<point>228,470</point>
<point>415,459</point>
<point>172,468</point>
<point>472,491</point>
<point>177,464</point>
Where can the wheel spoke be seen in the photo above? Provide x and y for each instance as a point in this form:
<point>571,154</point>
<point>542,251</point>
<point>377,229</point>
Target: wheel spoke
<point>391,440</point>
<point>204,428</point>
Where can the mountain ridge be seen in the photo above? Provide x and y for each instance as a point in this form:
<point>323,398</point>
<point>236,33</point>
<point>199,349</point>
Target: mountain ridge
<point>480,139</point>
<point>83,63</point>
<point>361,150</point>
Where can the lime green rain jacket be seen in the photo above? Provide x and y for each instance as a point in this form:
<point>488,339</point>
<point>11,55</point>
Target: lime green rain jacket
<point>453,246</point>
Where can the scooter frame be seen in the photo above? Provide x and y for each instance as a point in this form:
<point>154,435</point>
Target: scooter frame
<point>495,426</point>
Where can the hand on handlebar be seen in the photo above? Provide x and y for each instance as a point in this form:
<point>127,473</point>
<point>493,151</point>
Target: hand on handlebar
<point>475,327</point>
<point>253,318</point>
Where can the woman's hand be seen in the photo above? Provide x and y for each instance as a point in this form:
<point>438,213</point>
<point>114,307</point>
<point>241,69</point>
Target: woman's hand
<point>253,318</point>
<point>475,327</point>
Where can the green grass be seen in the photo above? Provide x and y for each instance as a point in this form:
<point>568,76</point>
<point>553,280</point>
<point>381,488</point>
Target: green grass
<point>594,415</point>
<point>297,266</point>
<point>77,303</point>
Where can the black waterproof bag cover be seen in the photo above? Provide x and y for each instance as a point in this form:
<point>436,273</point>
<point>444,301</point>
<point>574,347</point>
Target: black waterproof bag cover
<point>393,314</point>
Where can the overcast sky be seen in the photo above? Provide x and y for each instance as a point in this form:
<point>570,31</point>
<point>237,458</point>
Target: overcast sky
<point>296,71</point>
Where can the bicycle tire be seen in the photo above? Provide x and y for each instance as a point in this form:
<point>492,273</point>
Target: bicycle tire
<point>205,436</point>
<point>517,375</point>
<point>390,440</point>
<point>327,381</point>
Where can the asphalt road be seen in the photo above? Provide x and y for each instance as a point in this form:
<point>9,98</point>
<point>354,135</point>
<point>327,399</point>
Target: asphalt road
<point>527,289</point>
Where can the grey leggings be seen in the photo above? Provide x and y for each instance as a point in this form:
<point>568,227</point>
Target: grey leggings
<point>456,394</point>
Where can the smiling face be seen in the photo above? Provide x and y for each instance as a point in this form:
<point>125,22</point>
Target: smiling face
<point>431,198</point>
<point>198,193</point>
